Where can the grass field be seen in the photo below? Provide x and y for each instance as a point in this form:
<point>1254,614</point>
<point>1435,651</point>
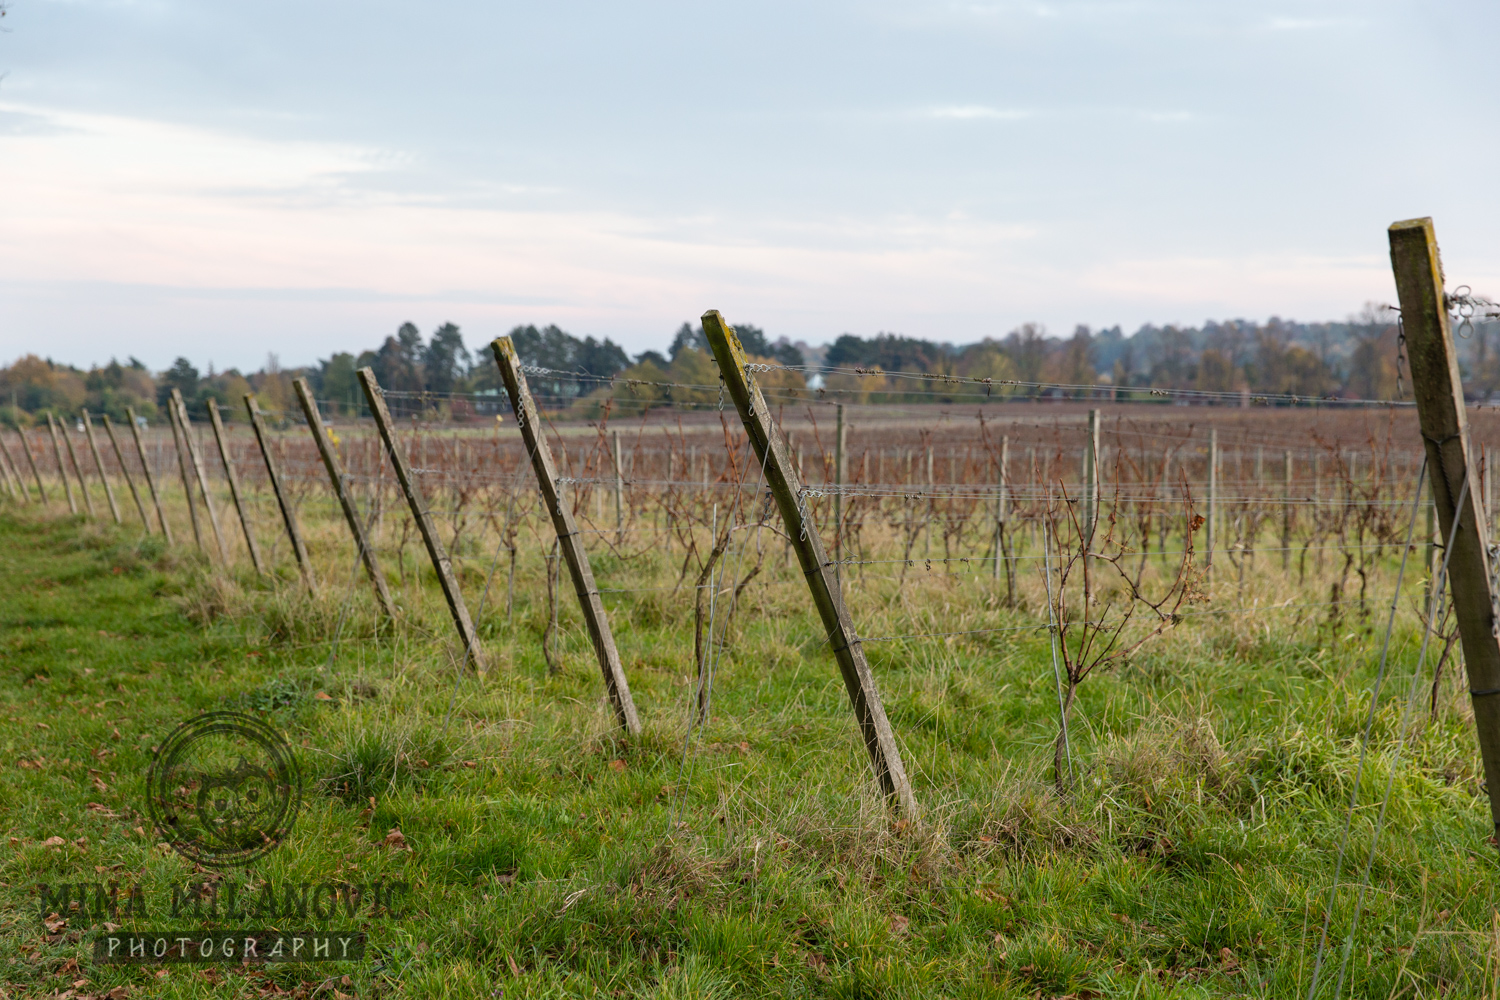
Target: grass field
<point>548,856</point>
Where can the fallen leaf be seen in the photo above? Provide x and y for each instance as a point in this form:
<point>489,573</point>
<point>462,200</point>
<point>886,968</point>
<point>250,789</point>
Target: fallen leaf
<point>323,696</point>
<point>53,842</point>
<point>120,992</point>
<point>54,922</point>
<point>43,725</point>
<point>617,765</point>
<point>397,840</point>
<point>899,924</point>
<point>515,970</point>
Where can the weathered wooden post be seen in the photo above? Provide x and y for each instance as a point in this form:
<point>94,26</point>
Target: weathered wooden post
<point>109,494</point>
<point>616,685</point>
<point>140,449</point>
<point>198,471</point>
<point>341,490</point>
<point>1445,433</point>
<point>62,472</point>
<point>288,515</point>
<point>83,487</point>
<point>114,443</point>
<point>14,484</point>
<point>179,436</point>
<point>441,564</point>
<point>16,469</point>
<point>31,461</point>
<point>770,448</point>
<point>234,486</point>
<point>1091,482</point>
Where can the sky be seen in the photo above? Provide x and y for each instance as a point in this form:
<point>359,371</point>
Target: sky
<point>225,181</point>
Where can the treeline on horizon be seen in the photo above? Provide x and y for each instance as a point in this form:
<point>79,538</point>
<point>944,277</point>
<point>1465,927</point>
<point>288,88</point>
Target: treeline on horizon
<point>1356,358</point>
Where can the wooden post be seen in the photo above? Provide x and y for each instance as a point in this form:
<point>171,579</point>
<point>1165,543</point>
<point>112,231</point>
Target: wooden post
<point>1286,511</point>
<point>441,564</point>
<point>114,443</point>
<point>1445,433</point>
<point>288,515</point>
<point>1213,500</point>
<point>16,469</point>
<point>341,490</point>
<point>140,449</point>
<point>109,494</point>
<point>840,439</point>
<point>179,442</point>
<point>770,448</point>
<point>1091,482</point>
<point>62,472</point>
<point>12,477</point>
<point>31,461</point>
<point>234,486</point>
<point>616,685</point>
<point>83,486</point>
<point>197,459</point>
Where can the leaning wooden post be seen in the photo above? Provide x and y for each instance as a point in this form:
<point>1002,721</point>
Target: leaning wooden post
<point>16,469</point>
<point>441,564</point>
<point>615,682</point>
<point>288,515</point>
<point>234,486</point>
<point>11,477</point>
<point>83,486</point>
<point>346,502</point>
<point>31,461</point>
<point>201,474</point>
<point>140,449</point>
<point>179,436</point>
<point>114,443</point>
<point>109,494</point>
<point>1445,433</point>
<point>62,472</point>
<point>770,448</point>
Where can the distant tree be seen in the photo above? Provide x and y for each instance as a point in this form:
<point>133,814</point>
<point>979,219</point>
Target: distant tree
<point>688,337</point>
<point>1027,348</point>
<point>398,363</point>
<point>651,357</point>
<point>604,358</point>
<point>445,360</point>
<point>337,381</point>
<point>182,376</point>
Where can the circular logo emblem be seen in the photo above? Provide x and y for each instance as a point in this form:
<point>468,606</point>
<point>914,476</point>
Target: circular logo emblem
<point>223,789</point>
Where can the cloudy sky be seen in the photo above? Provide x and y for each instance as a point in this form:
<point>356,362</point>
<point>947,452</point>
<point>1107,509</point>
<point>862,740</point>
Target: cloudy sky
<point>223,180</point>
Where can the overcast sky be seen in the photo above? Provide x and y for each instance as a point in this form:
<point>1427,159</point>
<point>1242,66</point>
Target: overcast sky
<point>222,180</point>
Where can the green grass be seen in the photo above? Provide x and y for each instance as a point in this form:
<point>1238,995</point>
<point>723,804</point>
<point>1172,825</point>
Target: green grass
<point>551,857</point>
